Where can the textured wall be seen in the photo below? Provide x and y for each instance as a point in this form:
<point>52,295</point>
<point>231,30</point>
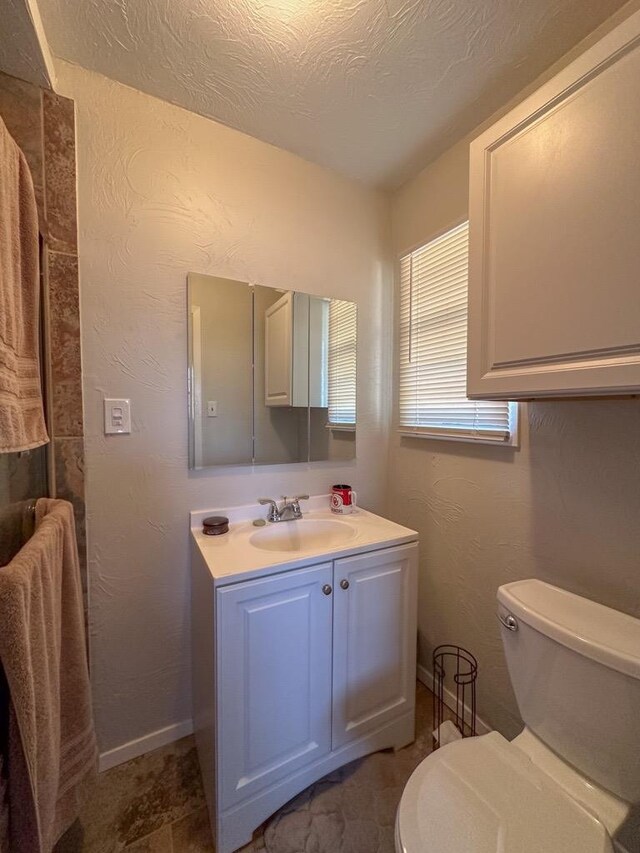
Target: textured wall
<point>565,507</point>
<point>162,192</point>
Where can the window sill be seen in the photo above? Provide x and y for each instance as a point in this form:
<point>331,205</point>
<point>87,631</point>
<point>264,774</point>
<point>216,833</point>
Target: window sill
<point>453,435</point>
<point>341,427</point>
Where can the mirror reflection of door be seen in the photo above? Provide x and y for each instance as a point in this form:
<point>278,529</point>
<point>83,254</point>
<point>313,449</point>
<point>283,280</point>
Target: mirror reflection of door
<point>195,383</point>
<point>224,422</point>
<point>272,375</point>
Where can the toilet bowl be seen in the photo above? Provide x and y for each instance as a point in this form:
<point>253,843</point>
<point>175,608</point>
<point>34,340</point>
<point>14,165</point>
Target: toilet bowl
<point>566,783</point>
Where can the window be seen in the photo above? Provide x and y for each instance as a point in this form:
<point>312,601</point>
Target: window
<point>433,348</point>
<point>342,364</point>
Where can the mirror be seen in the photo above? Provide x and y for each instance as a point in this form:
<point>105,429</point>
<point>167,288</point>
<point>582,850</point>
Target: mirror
<point>272,375</point>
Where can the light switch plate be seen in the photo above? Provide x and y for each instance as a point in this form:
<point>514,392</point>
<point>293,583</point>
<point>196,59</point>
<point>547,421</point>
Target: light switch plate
<point>212,408</point>
<point>117,417</point>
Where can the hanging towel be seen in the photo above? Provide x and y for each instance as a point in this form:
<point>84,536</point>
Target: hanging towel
<point>4,754</point>
<point>22,424</point>
<point>17,522</point>
<point>52,745</point>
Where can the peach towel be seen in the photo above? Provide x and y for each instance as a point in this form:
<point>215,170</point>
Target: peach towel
<point>52,745</point>
<point>22,425</point>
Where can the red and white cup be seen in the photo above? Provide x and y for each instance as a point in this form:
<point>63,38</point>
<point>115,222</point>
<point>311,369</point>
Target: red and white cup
<point>343,499</point>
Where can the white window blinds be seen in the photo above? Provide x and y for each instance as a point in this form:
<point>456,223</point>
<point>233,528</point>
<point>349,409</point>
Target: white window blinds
<point>342,363</point>
<point>433,346</point>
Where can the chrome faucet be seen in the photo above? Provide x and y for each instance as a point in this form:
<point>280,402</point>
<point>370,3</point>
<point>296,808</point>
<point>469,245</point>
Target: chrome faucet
<point>289,511</point>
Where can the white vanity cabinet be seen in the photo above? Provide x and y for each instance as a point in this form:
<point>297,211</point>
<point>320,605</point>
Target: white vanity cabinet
<point>297,672</point>
<point>554,291</point>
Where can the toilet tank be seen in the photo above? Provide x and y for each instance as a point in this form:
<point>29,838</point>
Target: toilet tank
<point>575,669</point>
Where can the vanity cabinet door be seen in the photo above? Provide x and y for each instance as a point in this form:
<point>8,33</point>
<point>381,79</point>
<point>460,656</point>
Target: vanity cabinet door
<point>273,679</point>
<point>374,641</point>
<point>554,303</point>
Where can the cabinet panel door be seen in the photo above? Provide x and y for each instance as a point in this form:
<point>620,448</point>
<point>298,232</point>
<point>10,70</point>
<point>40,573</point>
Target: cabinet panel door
<point>374,641</point>
<point>274,679</point>
<point>278,362</point>
<point>554,304</point>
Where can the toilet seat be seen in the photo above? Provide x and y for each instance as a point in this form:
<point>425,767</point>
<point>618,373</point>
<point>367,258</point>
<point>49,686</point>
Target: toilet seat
<point>484,795</point>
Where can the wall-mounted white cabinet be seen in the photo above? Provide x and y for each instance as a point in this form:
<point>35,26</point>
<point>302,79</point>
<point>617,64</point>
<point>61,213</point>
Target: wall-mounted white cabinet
<point>554,276</point>
<point>296,344</point>
<point>296,673</point>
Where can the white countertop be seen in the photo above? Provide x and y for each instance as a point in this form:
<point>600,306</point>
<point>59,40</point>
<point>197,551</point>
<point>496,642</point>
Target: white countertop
<point>231,556</point>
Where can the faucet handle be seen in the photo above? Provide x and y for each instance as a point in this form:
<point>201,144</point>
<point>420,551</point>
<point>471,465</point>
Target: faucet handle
<point>295,503</point>
<point>272,515</point>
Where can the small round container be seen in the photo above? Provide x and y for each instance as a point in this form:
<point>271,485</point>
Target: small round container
<point>215,525</point>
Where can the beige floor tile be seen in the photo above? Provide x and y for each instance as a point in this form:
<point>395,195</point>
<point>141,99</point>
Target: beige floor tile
<point>192,833</point>
<point>138,798</point>
<point>155,804</point>
<point>158,842</point>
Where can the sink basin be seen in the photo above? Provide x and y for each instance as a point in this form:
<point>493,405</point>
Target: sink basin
<point>303,535</point>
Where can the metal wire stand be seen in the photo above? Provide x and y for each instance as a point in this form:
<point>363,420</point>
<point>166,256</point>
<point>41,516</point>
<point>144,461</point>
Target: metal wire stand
<point>463,668</point>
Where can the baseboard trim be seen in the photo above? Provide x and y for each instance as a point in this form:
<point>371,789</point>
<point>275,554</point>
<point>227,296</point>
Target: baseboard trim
<point>426,678</point>
<point>149,742</point>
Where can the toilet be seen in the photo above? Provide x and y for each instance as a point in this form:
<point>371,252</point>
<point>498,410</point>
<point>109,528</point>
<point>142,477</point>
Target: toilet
<point>566,784</point>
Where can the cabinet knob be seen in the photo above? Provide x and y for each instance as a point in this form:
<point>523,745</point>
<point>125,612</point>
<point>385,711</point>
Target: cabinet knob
<point>344,584</point>
<point>327,589</point>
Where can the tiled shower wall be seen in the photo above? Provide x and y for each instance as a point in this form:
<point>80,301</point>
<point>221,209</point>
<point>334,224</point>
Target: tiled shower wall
<point>42,123</point>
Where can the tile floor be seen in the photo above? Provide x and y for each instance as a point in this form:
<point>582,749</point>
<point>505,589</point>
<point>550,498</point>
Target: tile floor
<point>155,804</point>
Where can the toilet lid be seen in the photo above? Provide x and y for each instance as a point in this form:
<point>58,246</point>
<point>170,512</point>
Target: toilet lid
<point>484,795</point>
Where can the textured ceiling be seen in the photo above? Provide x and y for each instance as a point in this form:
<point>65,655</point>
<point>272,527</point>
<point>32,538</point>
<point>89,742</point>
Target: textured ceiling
<point>371,88</point>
